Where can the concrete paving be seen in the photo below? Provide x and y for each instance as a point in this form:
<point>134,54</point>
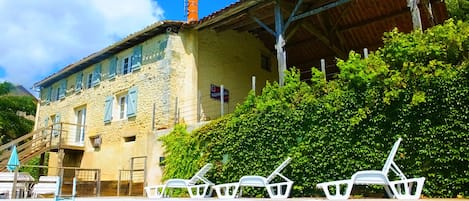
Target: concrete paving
<point>237,199</point>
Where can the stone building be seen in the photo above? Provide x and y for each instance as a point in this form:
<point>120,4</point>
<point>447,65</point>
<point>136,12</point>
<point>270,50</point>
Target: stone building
<point>111,106</point>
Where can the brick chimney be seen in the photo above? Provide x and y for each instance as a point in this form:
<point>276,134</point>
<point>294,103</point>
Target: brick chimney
<point>192,10</point>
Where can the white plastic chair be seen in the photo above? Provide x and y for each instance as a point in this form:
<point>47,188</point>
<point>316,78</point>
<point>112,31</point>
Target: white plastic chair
<point>195,190</point>
<point>400,189</point>
<point>275,190</point>
<point>45,185</point>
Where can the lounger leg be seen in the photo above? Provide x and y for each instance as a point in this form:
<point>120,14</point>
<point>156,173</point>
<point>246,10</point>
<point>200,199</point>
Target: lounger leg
<point>279,190</point>
<point>403,189</point>
<point>199,191</point>
<point>338,195</point>
<point>225,191</point>
<point>389,192</point>
<point>155,191</point>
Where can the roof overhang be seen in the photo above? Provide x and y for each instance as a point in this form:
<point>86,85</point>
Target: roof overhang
<point>328,29</point>
<point>128,42</point>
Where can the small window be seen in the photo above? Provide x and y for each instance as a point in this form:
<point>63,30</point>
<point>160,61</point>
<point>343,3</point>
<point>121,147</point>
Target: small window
<point>126,65</point>
<point>129,138</point>
<point>57,97</point>
<point>122,107</point>
<point>89,82</point>
<point>265,63</point>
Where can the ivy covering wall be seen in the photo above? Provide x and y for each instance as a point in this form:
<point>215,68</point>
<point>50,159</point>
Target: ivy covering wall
<point>415,87</point>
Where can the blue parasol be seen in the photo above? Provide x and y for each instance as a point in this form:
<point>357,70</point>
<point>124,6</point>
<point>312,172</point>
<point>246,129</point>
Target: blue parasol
<point>14,161</point>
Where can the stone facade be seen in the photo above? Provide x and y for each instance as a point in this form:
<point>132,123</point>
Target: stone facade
<point>171,85</point>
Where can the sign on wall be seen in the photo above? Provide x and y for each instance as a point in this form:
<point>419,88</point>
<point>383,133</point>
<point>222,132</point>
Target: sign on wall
<point>215,93</point>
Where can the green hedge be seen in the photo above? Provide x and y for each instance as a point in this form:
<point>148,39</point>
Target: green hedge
<point>415,87</point>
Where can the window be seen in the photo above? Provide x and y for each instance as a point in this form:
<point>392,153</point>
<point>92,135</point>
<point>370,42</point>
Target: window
<point>126,65</point>
<point>265,63</point>
<point>89,82</point>
<point>57,95</point>
<point>79,81</point>
<point>122,107</point>
<point>130,138</point>
<point>80,115</point>
<point>125,106</point>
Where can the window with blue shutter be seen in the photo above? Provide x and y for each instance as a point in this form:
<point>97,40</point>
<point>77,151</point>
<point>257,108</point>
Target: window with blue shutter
<point>137,58</point>
<point>79,81</point>
<point>132,102</point>
<point>96,75</point>
<point>108,109</point>
<point>62,89</point>
<point>112,67</point>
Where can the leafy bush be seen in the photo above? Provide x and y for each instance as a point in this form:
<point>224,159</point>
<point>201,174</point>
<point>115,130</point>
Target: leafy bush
<point>415,87</point>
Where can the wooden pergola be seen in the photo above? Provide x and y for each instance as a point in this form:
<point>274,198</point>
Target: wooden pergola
<point>306,31</point>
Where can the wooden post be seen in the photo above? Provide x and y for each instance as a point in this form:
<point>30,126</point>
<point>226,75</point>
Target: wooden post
<point>415,12</point>
<point>280,43</point>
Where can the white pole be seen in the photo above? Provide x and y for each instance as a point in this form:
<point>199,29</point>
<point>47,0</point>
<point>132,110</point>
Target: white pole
<point>222,100</point>
<point>365,52</point>
<point>323,66</point>
<point>253,82</point>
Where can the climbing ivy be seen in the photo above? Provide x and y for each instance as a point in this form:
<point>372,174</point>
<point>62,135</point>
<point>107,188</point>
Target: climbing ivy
<point>415,87</point>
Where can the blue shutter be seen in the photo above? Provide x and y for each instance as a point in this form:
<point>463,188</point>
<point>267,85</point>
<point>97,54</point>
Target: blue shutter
<point>112,67</point>
<point>137,58</point>
<point>62,89</point>
<point>48,93</point>
<point>96,75</point>
<point>79,81</point>
<point>132,102</point>
<point>108,109</point>
<point>161,48</point>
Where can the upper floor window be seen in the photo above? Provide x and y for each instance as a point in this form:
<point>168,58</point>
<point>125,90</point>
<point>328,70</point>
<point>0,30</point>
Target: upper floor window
<point>89,81</point>
<point>126,68</point>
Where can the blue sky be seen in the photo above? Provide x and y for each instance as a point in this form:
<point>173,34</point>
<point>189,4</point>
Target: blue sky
<point>38,38</point>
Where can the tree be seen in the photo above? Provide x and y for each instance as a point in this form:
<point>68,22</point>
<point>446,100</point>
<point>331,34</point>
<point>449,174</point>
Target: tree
<point>13,125</point>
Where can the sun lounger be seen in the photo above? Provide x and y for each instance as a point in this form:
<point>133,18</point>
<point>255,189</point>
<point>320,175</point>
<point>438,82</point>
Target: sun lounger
<point>400,189</point>
<point>198,186</point>
<point>275,190</point>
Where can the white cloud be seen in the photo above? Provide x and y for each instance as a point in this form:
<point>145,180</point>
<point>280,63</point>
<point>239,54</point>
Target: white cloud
<point>37,38</point>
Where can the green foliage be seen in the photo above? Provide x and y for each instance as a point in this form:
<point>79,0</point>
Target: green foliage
<point>458,9</point>
<point>11,124</point>
<point>415,87</point>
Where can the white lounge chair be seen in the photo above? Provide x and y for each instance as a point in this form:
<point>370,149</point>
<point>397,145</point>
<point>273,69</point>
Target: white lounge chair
<point>400,189</point>
<point>198,186</point>
<point>275,190</point>
<point>45,185</point>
